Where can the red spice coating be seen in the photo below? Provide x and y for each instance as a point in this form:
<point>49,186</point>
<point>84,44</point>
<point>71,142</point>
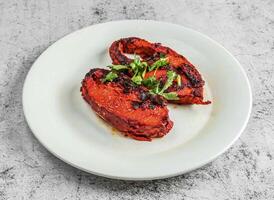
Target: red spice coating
<point>110,101</point>
<point>191,91</point>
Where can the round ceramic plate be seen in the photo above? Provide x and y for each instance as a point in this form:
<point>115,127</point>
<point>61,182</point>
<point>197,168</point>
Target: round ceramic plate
<point>64,123</point>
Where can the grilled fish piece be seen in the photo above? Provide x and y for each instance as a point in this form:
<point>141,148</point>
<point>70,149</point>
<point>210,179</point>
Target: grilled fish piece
<point>191,89</point>
<point>127,107</point>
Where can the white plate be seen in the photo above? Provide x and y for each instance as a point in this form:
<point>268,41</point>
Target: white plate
<point>67,127</point>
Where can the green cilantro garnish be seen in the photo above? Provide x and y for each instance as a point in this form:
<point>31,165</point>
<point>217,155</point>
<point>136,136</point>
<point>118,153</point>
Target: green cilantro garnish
<point>171,75</point>
<point>118,67</point>
<point>157,64</point>
<point>110,77</point>
<point>170,96</point>
<point>150,82</point>
<point>179,80</point>
<point>139,69</point>
<point>154,86</point>
<point>137,79</point>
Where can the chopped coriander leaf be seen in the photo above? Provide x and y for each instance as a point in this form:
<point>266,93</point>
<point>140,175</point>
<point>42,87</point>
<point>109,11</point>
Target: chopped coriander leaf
<point>155,87</point>
<point>118,67</point>
<point>139,69</point>
<point>137,79</point>
<point>179,80</point>
<point>150,82</point>
<point>170,96</point>
<point>133,66</point>
<point>144,72</point>
<point>159,63</point>
<point>137,60</point>
<point>171,75</point>
<point>144,64</point>
<point>110,77</point>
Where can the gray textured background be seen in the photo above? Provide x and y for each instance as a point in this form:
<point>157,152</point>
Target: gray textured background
<point>29,171</point>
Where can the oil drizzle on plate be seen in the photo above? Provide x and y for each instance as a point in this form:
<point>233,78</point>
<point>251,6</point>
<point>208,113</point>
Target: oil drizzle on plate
<point>114,131</point>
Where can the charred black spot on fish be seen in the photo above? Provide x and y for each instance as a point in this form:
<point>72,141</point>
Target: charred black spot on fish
<point>157,100</point>
<point>143,96</point>
<point>188,71</point>
<point>152,106</point>
<point>136,104</point>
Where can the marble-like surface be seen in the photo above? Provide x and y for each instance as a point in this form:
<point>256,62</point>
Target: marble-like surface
<point>29,171</point>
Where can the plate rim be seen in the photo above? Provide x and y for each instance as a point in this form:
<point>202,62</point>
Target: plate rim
<point>132,178</point>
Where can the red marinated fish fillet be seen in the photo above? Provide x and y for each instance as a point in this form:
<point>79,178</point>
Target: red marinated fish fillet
<point>128,108</point>
<point>191,89</point>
